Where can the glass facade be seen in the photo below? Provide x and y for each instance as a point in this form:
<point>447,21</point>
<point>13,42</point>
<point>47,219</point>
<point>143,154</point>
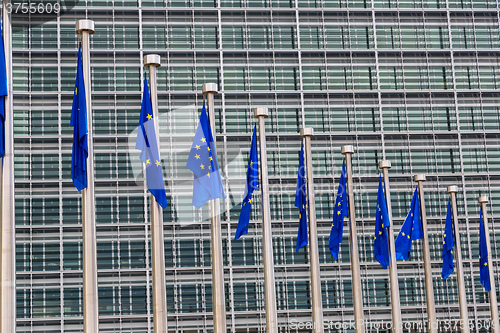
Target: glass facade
<point>412,81</point>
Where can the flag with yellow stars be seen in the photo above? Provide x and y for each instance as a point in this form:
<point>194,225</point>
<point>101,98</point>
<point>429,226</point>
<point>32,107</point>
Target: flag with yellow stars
<point>3,93</point>
<point>381,246</point>
<point>202,161</point>
<point>300,202</point>
<point>339,213</point>
<point>147,144</point>
<point>448,243</point>
<point>251,185</point>
<point>78,120</point>
<point>484,272</point>
<point>411,229</point>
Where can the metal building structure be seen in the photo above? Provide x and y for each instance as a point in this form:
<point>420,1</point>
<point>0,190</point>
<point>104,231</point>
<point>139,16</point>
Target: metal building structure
<point>413,82</point>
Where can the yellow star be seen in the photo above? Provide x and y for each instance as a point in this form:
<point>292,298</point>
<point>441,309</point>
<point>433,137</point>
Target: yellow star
<point>303,207</point>
<point>479,257</point>
<point>382,225</point>
<point>244,203</point>
<point>333,225</point>
<point>485,264</point>
<point>444,235</point>
<point>209,167</point>
<point>300,215</point>
<point>408,236</point>
<point>210,158</point>
<point>338,212</point>
<point>403,233</point>
<point>444,242</point>
<point>374,237</point>
<point>380,232</point>
<point>208,148</point>
<point>451,251</point>
<point>338,204</point>
<point>197,147</point>
<point>208,174</point>
<point>202,166</point>
<point>249,200</point>
<point>412,214</point>
<point>157,163</point>
<point>251,162</point>
<point>148,162</point>
<point>197,156</point>
<point>381,217</point>
<point>76,91</point>
<point>379,209</point>
<point>203,140</point>
<point>149,116</point>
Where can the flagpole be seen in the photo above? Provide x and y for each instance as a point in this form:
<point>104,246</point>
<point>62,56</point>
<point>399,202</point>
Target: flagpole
<point>355,270</point>
<point>317,304</point>
<point>8,233</point>
<point>267,237</point>
<point>429,290</point>
<point>464,316</point>
<point>492,294</point>
<point>157,244</point>
<point>218,297</point>
<point>90,295</point>
<point>397,325</point>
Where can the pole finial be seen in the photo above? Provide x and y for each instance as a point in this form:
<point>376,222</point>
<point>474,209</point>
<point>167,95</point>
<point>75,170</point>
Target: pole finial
<point>348,149</point>
<point>261,112</point>
<point>452,189</point>
<point>152,60</point>
<point>208,88</point>
<point>483,198</point>
<point>385,164</point>
<point>306,131</point>
<point>85,25</point>
<point>419,178</point>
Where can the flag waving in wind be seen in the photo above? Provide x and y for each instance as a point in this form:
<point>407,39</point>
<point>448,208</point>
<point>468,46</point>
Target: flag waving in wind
<point>80,150</point>
<point>411,229</point>
<point>3,93</point>
<point>381,246</point>
<point>448,243</point>
<point>300,202</point>
<point>484,272</point>
<point>147,144</point>
<point>339,213</point>
<point>251,185</point>
<point>202,161</point>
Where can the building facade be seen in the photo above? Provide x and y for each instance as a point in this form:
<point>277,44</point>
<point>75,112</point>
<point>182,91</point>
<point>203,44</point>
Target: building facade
<point>416,82</point>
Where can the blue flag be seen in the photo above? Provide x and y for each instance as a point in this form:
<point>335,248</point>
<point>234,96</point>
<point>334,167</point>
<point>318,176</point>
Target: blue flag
<point>300,202</point>
<point>202,161</point>
<point>484,272</point>
<point>339,213</point>
<point>411,229</point>
<point>448,243</point>
<point>80,150</point>
<point>147,144</point>
<point>251,185</point>
<point>381,246</point>
<point>3,93</point>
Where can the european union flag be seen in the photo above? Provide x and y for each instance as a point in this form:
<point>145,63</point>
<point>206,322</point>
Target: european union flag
<point>3,93</point>
<point>448,243</point>
<point>381,246</point>
<point>300,202</point>
<point>79,122</point>
<point>484,272</point>
<point>202,161</point>
<point>339,213</point>
<point>251,185</point>
<point>147,144</point>
<point>411,229</point>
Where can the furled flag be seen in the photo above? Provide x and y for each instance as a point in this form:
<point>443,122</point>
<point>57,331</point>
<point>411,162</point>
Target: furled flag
<point>484,272</point>
<point>147,144</point>
<point>448,243</point>
<point>300,202</point>
<point>381,246</point>
<point>202,161</point>
<point>79,122</point>
<point>339,213</point>
<point>411,229</point>
<point>3,93</point>
<point>251,185</point>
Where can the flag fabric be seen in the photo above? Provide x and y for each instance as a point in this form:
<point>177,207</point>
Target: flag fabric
<point>202,161</point>
<point>411,229</point>
<point>300,202</point>
<point>3,93</point>
<point>147,144</point>
<point>251,185</point>
<point>339,213</point>
<point>381,246</point>
<point>484,271</point>
<point>448,243</point>
<point>80,150</point>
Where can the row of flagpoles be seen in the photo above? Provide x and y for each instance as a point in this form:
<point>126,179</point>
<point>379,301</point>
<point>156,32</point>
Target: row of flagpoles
<point>202,161</point>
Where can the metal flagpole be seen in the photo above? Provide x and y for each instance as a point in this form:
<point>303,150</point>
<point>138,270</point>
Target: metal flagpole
<point>397,325</point>
<point>157,245</point>
<point>219,300</point>
<point>493,294</point>
<point>429,290</point>
<point>464,316</point>
<point>90,299</point>
<point>267,237</point>
<point>356,274</point>
<point>8,233</point>
<point>317,304</point>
